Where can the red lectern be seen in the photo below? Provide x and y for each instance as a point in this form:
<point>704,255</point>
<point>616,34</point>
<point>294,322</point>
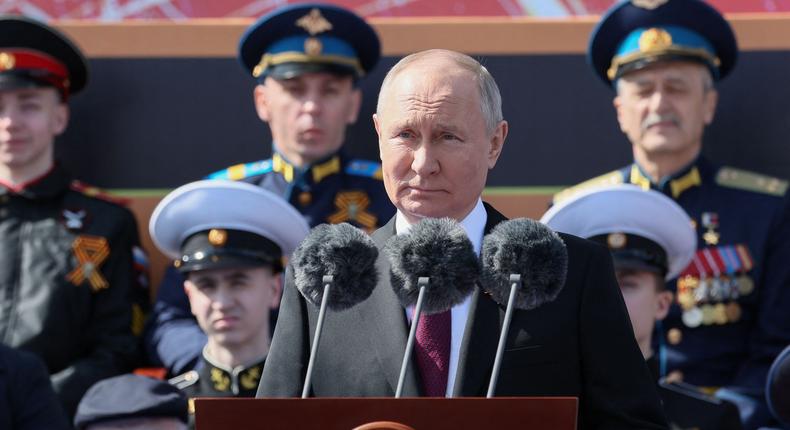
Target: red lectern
<point>533,413</point>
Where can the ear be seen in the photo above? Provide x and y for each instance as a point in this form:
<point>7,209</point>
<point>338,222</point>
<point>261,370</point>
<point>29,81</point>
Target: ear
<point>261,102</point>
<point>663,302</point>
<point>496,143</point>
<point>60,119</point>
<point>355,104</point>
<point>377,126</point>
<point>189,290</point>
<point>711,100</point>
<point>277,290</point>
<point>617,102</point>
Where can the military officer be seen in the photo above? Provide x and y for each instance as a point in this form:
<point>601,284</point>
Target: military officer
<point>729,319</point>
<point>228,239</point>
<point>307,60</point>
<point>646,251</point>
<point>67,271</point>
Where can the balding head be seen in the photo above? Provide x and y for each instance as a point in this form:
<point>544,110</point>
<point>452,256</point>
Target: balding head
<point>490,98</point>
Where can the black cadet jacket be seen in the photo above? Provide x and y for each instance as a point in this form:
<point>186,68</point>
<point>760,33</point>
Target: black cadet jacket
<point>66,276</point>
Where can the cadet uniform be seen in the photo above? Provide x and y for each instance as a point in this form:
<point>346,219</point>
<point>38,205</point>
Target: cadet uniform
<point>293,40</point>
<point>67,272</point>
<point>219,224</point>
<point>663,243</point>
<point>730,318</point>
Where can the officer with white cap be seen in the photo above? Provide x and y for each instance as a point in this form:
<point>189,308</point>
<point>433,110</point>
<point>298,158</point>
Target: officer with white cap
<point>228,239</point>
<point>651,240</point>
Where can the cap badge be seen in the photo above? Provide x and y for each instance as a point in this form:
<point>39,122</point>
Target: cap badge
<point>7,61</point>
<point>616,240</point>
<point>648,4</point>
<point>217,237</point>
<point>313,47</point>
<point>654,39</point>
<point>314,22</point>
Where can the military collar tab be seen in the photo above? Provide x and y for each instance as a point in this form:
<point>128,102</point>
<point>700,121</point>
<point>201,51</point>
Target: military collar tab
<point>675,184</point>
<point>318,171</point>
<point>231,380</point>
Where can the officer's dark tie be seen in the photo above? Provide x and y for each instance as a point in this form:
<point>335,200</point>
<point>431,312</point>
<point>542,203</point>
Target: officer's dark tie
<point>433,352</point>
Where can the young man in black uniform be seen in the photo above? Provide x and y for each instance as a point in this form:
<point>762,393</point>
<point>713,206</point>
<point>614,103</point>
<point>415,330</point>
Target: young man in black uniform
<point>67,273</point>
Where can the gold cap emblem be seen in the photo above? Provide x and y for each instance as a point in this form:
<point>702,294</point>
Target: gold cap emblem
<point>217,237</point>
<point>648,4</point>
<point>654,39</point>
<point>314,22</point>
<point>616,240</point>
<point>7,61</point>
<point>312,46</point>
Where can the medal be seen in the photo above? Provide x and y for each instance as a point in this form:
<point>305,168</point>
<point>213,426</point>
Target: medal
<point>710,220</point>
<point>720,314</point>
<point>745,285</point>
<point>686,300</point>
<point>733,311</point>
<point>674,336</point>
<point>692,317</point>
<point>707,314</point>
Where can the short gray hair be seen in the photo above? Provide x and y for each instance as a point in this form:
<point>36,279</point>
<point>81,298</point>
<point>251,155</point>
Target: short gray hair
<point>490,98</point>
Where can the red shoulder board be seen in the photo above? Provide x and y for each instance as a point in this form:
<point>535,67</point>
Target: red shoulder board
<point>91,191</point>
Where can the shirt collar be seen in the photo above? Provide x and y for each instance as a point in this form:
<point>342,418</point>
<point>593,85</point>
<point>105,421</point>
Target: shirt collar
<point>50,184</point>
<point>473,224</point>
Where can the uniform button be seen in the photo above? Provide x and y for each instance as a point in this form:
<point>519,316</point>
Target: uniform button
<point>674,336</point>
<point>305,198</point>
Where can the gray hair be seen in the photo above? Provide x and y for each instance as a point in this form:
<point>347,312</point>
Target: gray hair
<point>490,98</point>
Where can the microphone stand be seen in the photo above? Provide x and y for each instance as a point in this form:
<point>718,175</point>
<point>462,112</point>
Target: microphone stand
<point>515,283</point>
<point>328,280</point>
<point>422,282</point>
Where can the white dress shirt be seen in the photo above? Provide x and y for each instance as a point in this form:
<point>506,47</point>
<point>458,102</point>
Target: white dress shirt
<point>474,224</point>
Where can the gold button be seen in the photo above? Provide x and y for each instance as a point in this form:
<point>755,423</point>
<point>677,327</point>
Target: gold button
<point>305,198</point>
<point>674,336</point>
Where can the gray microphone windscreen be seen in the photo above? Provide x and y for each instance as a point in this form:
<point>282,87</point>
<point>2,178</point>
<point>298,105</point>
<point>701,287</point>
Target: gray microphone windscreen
<point>340,250</point>
<point>529,248</point>
<point>437,248</point>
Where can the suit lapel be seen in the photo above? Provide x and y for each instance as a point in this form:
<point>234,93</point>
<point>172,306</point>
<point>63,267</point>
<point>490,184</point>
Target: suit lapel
<point>383,318</point>
<point>478,347</point>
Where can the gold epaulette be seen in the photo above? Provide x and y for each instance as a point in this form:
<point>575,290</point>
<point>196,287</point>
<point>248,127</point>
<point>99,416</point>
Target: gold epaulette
<point>751,181</point>
<point>184,380</point>
<point>611,178</point>
<point>91,191</point>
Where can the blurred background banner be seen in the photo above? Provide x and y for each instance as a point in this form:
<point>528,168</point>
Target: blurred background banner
<point>117,10</point>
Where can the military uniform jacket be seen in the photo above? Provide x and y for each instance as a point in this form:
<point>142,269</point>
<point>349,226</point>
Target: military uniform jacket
<point>66,275</point>
<point>731,314</point>
<point>334,190</point>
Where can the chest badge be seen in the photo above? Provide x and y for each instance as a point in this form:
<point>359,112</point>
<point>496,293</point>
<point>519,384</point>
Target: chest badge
<point>353,206</point>
<point>710,220</point>
<point>74,220</point>
<point>91,252</point>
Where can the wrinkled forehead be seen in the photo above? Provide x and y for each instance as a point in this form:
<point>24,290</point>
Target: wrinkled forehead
<point>432,88</point>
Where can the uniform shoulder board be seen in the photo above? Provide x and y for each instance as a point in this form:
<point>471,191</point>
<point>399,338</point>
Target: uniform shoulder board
<point>91,191</point>
<point>184,380</point>
<point>750,181</point>
<point>611,178</point>
<point>366,168</point>
<point>244,170</point>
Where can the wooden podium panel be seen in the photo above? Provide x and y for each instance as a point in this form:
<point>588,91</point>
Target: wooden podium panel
<point>534,413</point>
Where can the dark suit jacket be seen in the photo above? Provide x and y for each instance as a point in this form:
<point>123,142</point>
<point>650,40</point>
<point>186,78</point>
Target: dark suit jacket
<point>579,345</point>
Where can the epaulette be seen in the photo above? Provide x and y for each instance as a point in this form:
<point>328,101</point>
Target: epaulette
<point>91,191</point>
<point>184,380</point>
<point>611,178</point>
<point>244,170</point>
<point>750,181</point>
<point>366,168</point>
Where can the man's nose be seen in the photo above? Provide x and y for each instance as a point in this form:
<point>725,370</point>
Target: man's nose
<point>659,101</point>
<point>425,162</point>
<point>312,103</point>
<point>223,299</point>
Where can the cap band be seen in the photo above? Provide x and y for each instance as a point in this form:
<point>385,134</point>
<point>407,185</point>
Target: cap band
<point>37,66</point>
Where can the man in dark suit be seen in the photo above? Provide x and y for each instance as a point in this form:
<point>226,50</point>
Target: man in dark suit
<point>440,128</point>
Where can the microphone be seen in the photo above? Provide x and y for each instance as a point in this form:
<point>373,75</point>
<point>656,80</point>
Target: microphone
<point>433,267</point>
<point>334,267</point>
<point>525,264</point>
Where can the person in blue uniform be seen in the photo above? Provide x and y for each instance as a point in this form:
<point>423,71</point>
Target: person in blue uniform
<point>307,60</point>
<point>67,252</point>
<point>646,252</point>
<point>229,240</point>
<point>729,319</point>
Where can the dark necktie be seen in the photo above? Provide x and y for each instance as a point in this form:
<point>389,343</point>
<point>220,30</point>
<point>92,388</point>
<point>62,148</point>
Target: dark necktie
<point>433,352</point>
